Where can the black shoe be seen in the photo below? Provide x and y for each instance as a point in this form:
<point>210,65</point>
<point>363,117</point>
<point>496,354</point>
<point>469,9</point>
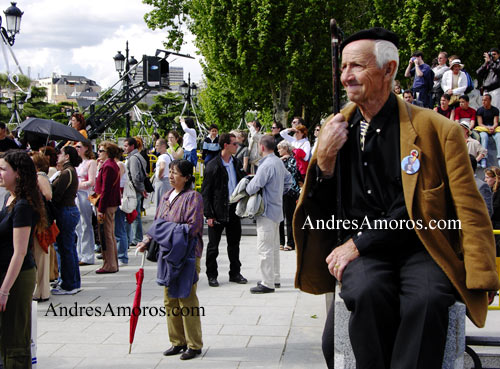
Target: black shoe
<point>261,289</point>
<point>190,354</point>
<point>99,256</point>
<point>212,282</point>
<point>238,279</point>
<point>39,299</point>
<point>174,350</point>
<point>276,285</point>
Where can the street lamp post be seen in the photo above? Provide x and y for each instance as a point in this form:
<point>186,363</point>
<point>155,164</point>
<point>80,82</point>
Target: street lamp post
<point>13,17</point>
<point>188,90</point>
<point>16,108</point>
<point>123,63</point>
<point>70,111</point>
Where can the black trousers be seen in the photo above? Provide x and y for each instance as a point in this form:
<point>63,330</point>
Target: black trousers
<point>496,225</point>
<point>289,203</point>
<point>399,301</point>
<point>233,236</point>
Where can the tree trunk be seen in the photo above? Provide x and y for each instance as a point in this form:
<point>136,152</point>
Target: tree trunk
<point>281,99</point>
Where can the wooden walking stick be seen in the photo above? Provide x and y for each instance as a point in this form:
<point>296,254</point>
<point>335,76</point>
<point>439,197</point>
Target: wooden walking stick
<point>335,42</point>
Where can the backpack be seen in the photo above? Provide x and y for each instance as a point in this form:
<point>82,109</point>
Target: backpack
<point>470,82</point>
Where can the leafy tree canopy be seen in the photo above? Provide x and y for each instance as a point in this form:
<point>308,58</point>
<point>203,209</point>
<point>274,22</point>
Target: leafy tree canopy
<point>275,55</point>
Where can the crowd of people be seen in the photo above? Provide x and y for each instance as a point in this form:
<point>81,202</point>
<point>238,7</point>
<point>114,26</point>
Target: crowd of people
<point>90,205</point>
<point>445,89</point>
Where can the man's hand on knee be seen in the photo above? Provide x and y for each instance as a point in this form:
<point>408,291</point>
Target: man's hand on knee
<point>340,257</point>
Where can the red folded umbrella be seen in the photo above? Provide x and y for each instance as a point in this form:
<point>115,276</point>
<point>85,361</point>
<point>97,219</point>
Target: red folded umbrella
<point>136,307</point>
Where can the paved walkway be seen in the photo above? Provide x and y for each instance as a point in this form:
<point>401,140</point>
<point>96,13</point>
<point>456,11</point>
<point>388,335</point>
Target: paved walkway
<point>240,330</point>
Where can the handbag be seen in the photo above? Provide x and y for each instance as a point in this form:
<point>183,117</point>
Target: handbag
<point>47,237</point>
<point>129,198</point>
<point>94,199</point>
<point>148,186</point>
<point>153,250</point>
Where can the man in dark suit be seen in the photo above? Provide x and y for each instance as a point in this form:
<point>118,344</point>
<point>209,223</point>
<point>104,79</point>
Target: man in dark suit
<point>398,281</point>
<point>221,176</point>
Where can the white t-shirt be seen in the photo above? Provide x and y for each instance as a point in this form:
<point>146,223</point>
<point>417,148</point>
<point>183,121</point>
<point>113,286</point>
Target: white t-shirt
<point>172,196</point>
<point>189,138</point>
<point>163,158</point>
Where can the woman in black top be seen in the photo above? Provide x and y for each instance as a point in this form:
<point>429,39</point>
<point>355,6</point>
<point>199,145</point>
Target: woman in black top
<point>22,210</point>
<point>64,190</point>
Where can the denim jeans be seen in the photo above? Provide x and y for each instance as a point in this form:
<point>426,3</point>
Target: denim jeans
<point>67,218</point>
<point>137,223</point>
<point>121,235</point>
<point>84,229</point>
<point>191,156</point>
<point>484,141</point>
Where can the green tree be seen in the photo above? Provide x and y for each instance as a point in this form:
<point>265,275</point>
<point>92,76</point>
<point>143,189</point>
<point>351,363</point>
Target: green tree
<point>22,81</point>
<point>220,105</point>
<point>258,50</point>
<point>275,55</point>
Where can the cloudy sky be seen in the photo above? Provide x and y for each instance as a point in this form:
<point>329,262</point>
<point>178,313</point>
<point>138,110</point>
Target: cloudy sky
<point>82,36</point>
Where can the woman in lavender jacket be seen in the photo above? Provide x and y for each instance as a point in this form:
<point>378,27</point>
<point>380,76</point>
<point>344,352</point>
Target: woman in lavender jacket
<point>182,205</point>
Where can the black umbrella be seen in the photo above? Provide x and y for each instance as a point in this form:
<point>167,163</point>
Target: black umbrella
<point>51,129</point>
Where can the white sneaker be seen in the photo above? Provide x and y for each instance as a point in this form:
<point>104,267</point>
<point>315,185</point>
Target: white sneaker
<point>122,264</point>
<point>60,291</point>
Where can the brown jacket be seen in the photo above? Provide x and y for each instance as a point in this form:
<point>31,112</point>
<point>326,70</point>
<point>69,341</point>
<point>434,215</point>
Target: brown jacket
<point>443,188</point>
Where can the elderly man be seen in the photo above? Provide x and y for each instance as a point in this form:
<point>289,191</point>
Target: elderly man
<point>399,272</point>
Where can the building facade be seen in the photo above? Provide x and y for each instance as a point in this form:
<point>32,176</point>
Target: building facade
<point>67,87</point>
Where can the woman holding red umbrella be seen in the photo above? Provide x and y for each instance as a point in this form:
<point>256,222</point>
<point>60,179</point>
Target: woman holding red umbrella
<point>180,207</point>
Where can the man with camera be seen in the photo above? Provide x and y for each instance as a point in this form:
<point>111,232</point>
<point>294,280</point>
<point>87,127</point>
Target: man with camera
<point>424,78</point>
<point>489,72</point>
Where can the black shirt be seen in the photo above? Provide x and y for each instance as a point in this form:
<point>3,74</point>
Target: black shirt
<point>446,113</point>
<point>22,215</point>
<point>7,144</point>
<point>487,114</point>
<point>371,180</point>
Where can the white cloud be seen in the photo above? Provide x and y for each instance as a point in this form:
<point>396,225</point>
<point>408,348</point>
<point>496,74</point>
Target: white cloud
<point>82,36</point>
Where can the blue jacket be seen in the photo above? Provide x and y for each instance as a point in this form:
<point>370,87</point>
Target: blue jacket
<point>176,258</point>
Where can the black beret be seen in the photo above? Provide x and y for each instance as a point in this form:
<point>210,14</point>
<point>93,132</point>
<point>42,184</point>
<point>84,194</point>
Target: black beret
<point>376,33</point>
